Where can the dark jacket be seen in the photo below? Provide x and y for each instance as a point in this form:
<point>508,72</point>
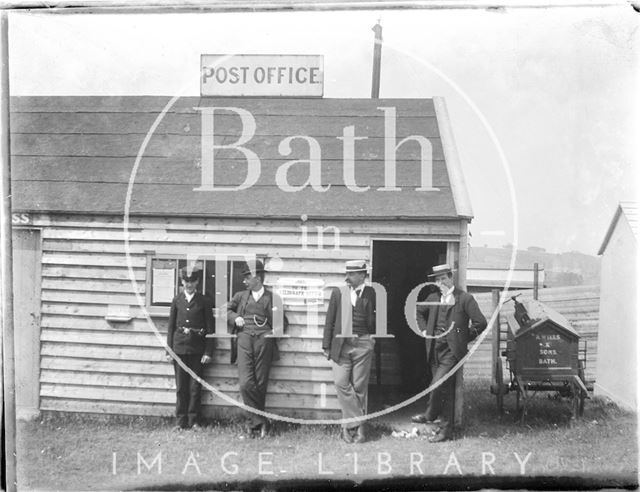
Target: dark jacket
<point>333,321</point>
<point>238,305</point>
<point>197,314</point>
<point>464,309</point>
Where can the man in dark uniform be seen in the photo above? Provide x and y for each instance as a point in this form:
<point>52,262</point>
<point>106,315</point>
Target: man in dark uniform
<point>351,357</point>
<point>190,320</point>
<point>448,333</point>
<point>251,316</point>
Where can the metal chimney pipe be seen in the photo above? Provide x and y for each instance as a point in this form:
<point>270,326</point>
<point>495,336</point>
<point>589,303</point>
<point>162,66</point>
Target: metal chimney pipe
<point>377,57</point>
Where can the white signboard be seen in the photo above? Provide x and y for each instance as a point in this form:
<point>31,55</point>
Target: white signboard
<point>300,291</point>
<point>163,287</point>
<point>262,75</point>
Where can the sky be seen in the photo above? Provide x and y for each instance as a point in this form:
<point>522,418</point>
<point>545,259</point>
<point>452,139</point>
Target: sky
<point>543,102</point>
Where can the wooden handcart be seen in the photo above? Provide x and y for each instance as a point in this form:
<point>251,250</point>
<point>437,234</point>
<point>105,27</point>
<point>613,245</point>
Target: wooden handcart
<point>541,349</point>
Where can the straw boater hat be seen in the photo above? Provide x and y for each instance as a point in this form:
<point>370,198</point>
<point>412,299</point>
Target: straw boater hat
<point>259,268</point>
<point>440,270</point>
<point>190,273</point>
<point>355,266</point>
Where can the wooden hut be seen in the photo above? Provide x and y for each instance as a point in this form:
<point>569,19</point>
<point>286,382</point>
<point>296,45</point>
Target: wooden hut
<point>84,168</point>
<point>617,367</point>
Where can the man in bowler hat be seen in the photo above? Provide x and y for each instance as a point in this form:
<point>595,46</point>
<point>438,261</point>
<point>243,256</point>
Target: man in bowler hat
<point>449,327</point>
<point>351,356</point>
<point>251,316</point>
<point>190,320</point>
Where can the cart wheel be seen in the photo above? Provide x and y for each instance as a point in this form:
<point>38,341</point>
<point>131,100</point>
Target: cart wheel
<point>582,395</point>
<point>577,402</point>
<point>581,404</point>
<point>521,394</point>
<point>499,386</point>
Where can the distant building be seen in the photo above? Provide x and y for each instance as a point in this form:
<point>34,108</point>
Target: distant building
<point>482,278</point>
<point>616,373</point>
<point>560,269</point>
<point>488,270</point>
<point>536,249</point>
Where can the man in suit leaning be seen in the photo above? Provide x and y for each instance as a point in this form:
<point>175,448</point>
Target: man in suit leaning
<point>351,356</point>
<point>449,327</point>
<point>251,315</point>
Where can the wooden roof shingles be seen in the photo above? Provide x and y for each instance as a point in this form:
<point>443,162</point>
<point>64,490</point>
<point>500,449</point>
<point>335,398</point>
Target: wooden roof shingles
<point>76,155</point>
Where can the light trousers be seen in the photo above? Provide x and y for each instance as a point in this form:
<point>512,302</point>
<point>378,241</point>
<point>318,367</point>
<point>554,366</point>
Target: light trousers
<point>351,377</point>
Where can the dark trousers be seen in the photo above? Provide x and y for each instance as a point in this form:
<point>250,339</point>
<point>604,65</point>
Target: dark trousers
<point>255,354</point>
<point>188,390</point>
<point>441,400</point>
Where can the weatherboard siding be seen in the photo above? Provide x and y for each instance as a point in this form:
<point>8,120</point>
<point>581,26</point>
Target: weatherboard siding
<point>90,364</point>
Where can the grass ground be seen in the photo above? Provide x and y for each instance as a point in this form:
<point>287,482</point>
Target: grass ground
<point>75,452</point>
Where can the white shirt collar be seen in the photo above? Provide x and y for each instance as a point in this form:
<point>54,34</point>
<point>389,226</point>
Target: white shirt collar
<point>355,293</point>
<point>257,294</point>
<point>189,297</point>
<point>446,297</point>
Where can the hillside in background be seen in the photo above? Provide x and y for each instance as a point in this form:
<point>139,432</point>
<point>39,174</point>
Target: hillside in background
<point>563,269</point>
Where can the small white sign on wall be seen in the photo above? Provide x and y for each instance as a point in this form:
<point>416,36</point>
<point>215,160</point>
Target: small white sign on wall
<point>164,285</point>
<point>300,291</point>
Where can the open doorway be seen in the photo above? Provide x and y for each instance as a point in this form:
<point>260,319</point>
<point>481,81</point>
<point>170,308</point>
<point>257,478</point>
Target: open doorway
<point>400,368</point>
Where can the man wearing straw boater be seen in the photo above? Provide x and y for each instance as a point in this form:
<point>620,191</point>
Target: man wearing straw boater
<point>448,332</point>
<point>251,316</point>
<point>351,356</point>
<point>190,320</point>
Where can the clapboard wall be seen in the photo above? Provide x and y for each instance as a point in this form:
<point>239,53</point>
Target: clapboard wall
<point>91,365</point>
<point>579,304</point>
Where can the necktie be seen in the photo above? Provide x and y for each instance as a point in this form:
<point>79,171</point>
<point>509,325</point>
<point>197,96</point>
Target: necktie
<point>447,298</point>
<point>355,293</point>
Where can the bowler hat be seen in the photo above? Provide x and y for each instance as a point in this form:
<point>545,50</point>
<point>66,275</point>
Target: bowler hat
<point>190,273</point>
<point>355,266</point>
<point>259,268</point>
<point>440,270</point>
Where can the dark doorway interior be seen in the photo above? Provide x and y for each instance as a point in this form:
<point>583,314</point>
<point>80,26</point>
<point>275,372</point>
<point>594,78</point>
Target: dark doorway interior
<point>401,361</point>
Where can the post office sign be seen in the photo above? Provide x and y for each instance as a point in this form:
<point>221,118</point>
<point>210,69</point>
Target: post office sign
<point>262,75</point>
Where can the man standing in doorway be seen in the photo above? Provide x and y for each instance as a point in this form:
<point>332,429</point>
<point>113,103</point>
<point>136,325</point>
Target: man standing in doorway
<point>190,320</point>
<point>448,332</point>
<point>250,314</point>
<point>351,356</point>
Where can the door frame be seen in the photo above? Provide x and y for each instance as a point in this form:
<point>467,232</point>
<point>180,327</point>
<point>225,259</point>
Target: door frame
<point>456,249</point>
<point>450,252</point>
<point>27,370</point>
